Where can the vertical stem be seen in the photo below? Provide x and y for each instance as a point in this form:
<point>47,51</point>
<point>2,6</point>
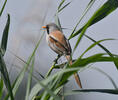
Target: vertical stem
<point>50,70</point>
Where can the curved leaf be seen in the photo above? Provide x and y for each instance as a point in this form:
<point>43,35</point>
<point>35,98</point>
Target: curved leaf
<point>94,44</point>
<point>5,76</point>
<point>22,73</point>
<point>59,10</point>
<point>61,3</point>
<point>92,59</point>
<point>83,15</point>
<point>3,7</point>
<point>29,79</point>
<point>106,50</point>
<point>110,91</point>
<point>109,77</point>
<point>5,36</point>
<point>101,13</point>
<point>1,88</point>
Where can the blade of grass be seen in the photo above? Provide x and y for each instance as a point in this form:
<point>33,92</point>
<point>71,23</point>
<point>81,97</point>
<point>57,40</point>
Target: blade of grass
<point>45,96</point>
<point>55,96</point>
<point>40,86</point>
<point>34,77</point>
<point>25,63</point>
<point>59,10</point>
<point>5,36</point>
<point>52,85</point>
<point>57,21</point>
<point>61,3</point>
<point>107,8</point>
<point>29,79</point>
<point>90,4</point>
<point>94,44</point>
<point>56,91</point>
<point>22,73</point>
<point>3,7</point>
<point>1,87</point>
<point>106,50</point>
<point>5,76</point>
<point>52,67</point>
<point>92,59</point>
<point>67,73</point>
<point>46,81</point>
<point>109,91</point>
<point>3,68</point>
<point>81,35</point>
<point>109,77</point>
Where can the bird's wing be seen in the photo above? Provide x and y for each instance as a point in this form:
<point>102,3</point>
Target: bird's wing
<point>60,41</point>
<point>57,46</point>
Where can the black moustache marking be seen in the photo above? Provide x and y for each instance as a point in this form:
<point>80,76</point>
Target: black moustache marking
<point>47,29</point>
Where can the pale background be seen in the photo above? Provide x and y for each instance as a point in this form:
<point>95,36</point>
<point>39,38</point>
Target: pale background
<point>26,20</point>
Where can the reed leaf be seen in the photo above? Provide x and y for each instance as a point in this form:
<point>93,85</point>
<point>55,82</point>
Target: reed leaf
<point>107,8</point>
<point>5,36</point>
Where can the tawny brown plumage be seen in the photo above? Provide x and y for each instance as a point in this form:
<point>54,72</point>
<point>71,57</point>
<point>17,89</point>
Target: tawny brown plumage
<point>78,81</point>
<point>58,43</point>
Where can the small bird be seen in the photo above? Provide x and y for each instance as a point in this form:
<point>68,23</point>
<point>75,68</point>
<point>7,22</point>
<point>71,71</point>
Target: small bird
<point>60,44</point>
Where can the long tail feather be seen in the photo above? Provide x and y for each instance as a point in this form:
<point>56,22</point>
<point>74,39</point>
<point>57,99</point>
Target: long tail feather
<point>77,78</point>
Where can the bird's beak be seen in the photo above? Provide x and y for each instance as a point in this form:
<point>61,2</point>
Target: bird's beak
<point>44,27</point>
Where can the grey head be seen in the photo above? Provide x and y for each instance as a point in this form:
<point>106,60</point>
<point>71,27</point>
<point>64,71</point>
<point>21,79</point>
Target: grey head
<point>52,27</point>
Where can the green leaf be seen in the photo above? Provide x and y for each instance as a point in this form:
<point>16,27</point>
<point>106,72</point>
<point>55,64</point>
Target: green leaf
<point>29,79</point>
<point>57,21</point>
<point>5,36</point>
<point>109,77</point>
<point>61,3</point>
<point>83,62</point>
<point>59,10</point>
<point>110,91</point>
<point>65,72</point>
<point>22,73</point>
<point>26,63</point>
<point>83,15</point>
<point>38,87</point>
<point>92,59</point>
<point>5,76</point>
<point>106,50</point>
<point>81,35</point>
<point>52,85</point>
<point>1,87</point>
<point>94,44</point>
<point>56,91</point>
<point>3,7</point>
<point>46,81</point>
<point>107,8</point>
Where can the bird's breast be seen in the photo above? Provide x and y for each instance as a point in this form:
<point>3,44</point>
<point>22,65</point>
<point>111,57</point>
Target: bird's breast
<point>47,38</point>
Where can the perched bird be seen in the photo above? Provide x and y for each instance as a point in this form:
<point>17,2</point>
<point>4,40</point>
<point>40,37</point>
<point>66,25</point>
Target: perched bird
<point>59,44</point>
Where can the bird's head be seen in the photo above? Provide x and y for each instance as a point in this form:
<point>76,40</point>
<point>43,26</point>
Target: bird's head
<point>51,27</point>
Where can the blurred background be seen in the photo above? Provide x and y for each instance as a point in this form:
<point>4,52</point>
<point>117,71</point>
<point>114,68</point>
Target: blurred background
<point>27,17</point>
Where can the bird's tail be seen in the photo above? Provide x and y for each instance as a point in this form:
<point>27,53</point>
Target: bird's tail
<point>77,78</point>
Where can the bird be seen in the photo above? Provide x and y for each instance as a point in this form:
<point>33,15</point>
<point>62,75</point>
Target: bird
<point>60,44</point>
